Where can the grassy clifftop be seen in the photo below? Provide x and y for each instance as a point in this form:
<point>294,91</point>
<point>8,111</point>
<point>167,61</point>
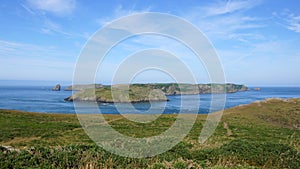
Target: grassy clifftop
<point>148,92</point>
<point>263,134</point>
<point>120,93</point>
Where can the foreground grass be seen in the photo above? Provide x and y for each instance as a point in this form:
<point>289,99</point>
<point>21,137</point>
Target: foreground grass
<point>259,135</point>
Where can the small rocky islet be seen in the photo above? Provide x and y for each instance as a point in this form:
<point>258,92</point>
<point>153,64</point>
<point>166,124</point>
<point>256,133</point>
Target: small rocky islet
<point>134,93</point>
<point>57,87</point>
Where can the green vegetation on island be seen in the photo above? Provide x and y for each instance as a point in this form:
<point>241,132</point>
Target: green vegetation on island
<point>83,86</point>
<point>147,92</point>
<point>263,134</point>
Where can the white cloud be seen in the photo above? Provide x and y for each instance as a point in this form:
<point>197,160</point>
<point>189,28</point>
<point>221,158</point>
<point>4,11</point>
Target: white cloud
<point>58,7</point>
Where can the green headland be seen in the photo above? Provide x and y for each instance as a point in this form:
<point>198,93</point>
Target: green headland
<point>263,134</point>
<point>146,92</point>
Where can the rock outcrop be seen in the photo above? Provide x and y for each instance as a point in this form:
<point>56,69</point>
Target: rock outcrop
<point>150,92</point>
<point>8,149</point>
<point>56,87</point>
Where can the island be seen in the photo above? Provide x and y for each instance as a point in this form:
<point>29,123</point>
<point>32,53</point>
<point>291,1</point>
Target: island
<point>56,87</point>
<point>147,92</point>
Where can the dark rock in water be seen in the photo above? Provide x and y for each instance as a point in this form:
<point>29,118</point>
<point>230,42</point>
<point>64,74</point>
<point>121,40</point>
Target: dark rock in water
<point>56,87</point>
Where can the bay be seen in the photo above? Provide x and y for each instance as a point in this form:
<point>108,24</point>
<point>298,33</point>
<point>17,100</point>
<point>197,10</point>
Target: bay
<point>43,99</point>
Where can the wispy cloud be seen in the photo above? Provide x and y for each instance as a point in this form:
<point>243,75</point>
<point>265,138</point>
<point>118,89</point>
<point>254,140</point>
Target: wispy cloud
<point>232,27</point>
<point>28,9</point>
<point>227,20</point>
<point>294,23</point>
<point>15,50</point>
<point>51,27</point>
<point>28,61</point>
<point>39,9</point>
<point>288,20</point>
<point>223,20</point>
<point>57,7</point>
<point>227,7</point>
<point>120,11</point>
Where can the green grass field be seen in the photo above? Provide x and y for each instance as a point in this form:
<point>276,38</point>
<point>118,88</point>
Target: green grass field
<point>259,135</point>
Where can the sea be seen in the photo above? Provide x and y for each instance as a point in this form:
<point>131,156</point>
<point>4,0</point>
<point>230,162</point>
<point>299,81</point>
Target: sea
<point>42,99</point>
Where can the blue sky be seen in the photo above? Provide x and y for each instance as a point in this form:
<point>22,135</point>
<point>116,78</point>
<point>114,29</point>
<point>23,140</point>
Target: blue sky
<point>257,40</point>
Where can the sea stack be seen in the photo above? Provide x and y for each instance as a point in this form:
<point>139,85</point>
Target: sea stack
<point>56,87</point>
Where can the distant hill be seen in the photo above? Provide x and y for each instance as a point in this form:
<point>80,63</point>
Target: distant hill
<point>147,92</point>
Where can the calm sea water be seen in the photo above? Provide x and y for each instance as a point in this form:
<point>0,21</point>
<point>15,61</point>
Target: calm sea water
<point>43,99</point>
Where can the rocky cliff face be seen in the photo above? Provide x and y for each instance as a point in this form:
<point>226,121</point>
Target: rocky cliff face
<point>174,89</point>
<point>149,92</point>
